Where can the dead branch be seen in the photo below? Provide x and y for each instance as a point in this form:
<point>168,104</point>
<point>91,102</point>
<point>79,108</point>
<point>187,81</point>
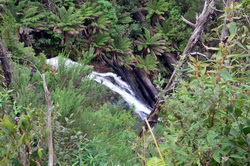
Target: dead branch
<point>201,22</point>
<point>188,22</point>
<point>217,10</point>
<point>200,54</point>
<point>49,107</point>
<point>5,64</point>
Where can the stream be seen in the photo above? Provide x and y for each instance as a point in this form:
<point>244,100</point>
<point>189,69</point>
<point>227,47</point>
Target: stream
<point>114,83</point>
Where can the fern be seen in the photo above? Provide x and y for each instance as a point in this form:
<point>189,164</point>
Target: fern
<point>100,24</point>
<point>121,44</point>
<point>154,45</point>
<point>26,13</point>
<point>156,7</point>
<point>90,10</point>
<point>149,63</point>
<point>154,161</point>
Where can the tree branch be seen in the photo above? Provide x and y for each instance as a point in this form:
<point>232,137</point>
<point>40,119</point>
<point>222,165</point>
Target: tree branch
<point>198,53</point>
<point>187,22</point>
<point>49,106</point>
<point>201,22</point>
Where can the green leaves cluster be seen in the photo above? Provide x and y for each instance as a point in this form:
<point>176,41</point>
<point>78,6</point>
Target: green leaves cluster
<point>157,7</point>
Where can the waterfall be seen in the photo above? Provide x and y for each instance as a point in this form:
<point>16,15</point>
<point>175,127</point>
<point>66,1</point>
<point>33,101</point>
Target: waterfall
<point>114,83</point>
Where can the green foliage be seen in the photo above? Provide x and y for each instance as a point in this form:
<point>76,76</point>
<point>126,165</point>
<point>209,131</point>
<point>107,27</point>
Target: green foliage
<point>121,44</point>
<point>156,7</point>
<point>154,161</point>
<point>208,115</point>
<point>203,114</point>
<point>103,135</point>
<point>149,63</point>
<point>108,10</point>
<point>204,122</point>
<point>100,42</point>
<point>173,29</point>
<point>108,127</point>
<point>22,139</point>
<point>100,24</point>
<point>90,9</point>
<point>26,13</point>
<point>151,44</point>
<point>67,21</point>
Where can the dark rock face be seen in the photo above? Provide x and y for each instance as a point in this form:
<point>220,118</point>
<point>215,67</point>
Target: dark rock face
<point>138,80</point>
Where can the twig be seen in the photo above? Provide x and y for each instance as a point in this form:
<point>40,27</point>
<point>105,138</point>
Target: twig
<point>198,53</point>
<point>49,106</point>
<point>215,9</point>
<point>245,15</point>
<point>144,148</point>
<point>187,22</point>
<point>156,144</point>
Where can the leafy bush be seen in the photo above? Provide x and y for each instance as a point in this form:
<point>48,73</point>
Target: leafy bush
<point>208,116</point>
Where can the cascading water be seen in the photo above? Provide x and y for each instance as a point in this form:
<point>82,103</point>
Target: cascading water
<point>117,85</point>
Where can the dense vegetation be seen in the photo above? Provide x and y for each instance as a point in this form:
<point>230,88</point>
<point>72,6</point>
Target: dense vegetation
<point>204,118</point>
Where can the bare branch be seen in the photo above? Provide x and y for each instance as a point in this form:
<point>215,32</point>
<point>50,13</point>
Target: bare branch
<point>187,22</point>
<point>245,15</point>
<point>201,22</point>
<point>221,11</point>
<point>49,107</point>
<point>200,54</point>
<point>156,144</point>
<point>200,26</point>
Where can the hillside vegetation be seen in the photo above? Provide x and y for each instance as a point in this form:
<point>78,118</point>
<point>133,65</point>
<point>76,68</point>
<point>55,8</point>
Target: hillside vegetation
<point>189,60</point>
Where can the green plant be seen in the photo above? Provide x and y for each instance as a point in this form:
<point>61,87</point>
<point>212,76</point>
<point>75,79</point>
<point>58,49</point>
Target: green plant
<point>121,44</point>
<point>156,8</point>
<point>149,63</point>
<point>100,43</point>
<point>68,22</point>
<point>151,44</point>
<point>22,137</point>
<point>100,24</point>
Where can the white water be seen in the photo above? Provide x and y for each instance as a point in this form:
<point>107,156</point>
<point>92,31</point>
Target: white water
<point>118,86</point>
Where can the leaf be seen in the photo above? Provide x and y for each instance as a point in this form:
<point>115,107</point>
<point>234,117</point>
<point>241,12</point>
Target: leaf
<point>246,130</point>
<point>210,48</point>
<point>7,124</point>
<point>182,153</point>
<point>234,132</point>
<point>237,112</point>
<point>216,156</point>
<point>155,162</point>
<point>192,59</point>
<point>230,108</point>
<point>40,153</point>
<point>210,137</point>
<point>226,75</point>
<point>232,29</point>
<point>236,156</point>
<point>24,122</point>
<point>238,55</point>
